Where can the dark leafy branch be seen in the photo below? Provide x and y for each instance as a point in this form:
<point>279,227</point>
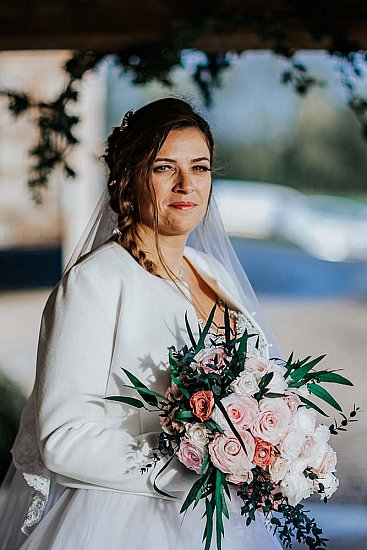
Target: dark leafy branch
<point>147,62</point>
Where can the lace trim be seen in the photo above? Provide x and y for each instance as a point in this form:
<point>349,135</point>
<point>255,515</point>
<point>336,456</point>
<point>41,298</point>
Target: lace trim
<point>41,486</point>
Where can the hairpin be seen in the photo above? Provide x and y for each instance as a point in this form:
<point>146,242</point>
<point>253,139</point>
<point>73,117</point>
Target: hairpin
<point>125,120</point>
<point>112,182</point>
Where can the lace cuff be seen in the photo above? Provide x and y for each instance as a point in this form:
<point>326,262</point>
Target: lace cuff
<point>41,489</point>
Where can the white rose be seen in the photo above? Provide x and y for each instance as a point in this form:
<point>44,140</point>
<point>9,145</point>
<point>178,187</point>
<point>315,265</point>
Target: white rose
<point>197,434</point>
<point>291,445</point>
<point>328,464</point>
<point>278,383</point>
<point>330,483</point>
<point>322,433</point>
<point>256,364</point>
<point>279,469</point>
<point>298,465</point>
<point>246,384</point>
<point>305,420</point>
<point>314,452</point>
<point>296,487</point>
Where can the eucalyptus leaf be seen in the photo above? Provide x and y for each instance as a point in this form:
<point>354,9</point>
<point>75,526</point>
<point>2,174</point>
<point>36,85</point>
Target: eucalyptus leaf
<point>127,400</point>
<point>189,331</point>
<point>138,385</point>
<point>205,331</point>
<point>312,405</point>
<point>155,479</point>
<point>147,391</point>
<point>324,394</point>
<point>299,373</point>
<point>335,378</point>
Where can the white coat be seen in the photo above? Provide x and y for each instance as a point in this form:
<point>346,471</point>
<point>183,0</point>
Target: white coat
<point>106,313</point>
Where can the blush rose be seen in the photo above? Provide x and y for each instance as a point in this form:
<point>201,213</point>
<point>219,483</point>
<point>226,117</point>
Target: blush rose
<point>191,455</point>
<point>227,454</point>
<point>273,420</point>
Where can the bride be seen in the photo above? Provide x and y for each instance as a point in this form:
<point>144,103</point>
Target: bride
<point>154,249</point>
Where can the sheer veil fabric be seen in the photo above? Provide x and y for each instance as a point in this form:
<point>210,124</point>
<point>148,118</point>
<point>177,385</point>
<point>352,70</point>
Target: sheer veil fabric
<point>29,491</point>
<point>208,237</point>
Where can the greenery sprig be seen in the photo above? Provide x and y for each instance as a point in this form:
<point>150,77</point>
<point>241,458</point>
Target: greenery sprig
<point>148,62</point>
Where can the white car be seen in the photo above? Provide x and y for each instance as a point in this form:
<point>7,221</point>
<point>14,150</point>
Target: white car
<point>254,209</point>
<point>329,227</point>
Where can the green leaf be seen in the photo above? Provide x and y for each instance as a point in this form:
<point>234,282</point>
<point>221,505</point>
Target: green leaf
<point>184,415</point>
<point>225,414</point>
<point>242,348</point>
<point>264,382</point>
<point>212,425</point>
<point>209,511</point>
<point>150,399</point>
<point>227,325</point>
<point>335,378</point>
<point>205,331</point>
<point>312,405</point>
<point>192,494</point>
<point>219,507</point>
<point>205,462</point>
<point>299,373</point>
<point>224,504</point>
<point>147,391</point>
<point>324,394</point>
<point>155,479</point>
<point>128,400</point>
<point>189,331</point>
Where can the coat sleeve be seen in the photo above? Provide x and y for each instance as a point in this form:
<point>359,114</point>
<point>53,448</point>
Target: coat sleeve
<point>74,354</point>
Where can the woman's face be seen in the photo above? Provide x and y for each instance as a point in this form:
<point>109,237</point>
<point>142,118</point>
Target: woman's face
<point>181,178</point>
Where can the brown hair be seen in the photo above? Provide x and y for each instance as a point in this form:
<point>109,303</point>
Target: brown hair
<point>130,156</point>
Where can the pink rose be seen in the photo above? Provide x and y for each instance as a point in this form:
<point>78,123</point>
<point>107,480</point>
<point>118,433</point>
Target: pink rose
<point>227,454</point>
<point>202,403</point>
<point>241,409</point>
<point>273,420</point>
<point>191,455</point>
<point>213,356</point>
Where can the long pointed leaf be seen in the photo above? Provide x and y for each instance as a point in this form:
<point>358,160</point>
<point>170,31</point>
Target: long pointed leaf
<point>325,395</point>
<point>335,378</point>
<point>312,405</point>
<point>219,507</point>
<point>147,391</point>
<point>189,331</point>
<point>155,479</point>
<point>225,414</point>
<point>150,399</point>
<point>227,325</point>
<point>300,373</point>
<point>205,331</point>
<point>127,400</point>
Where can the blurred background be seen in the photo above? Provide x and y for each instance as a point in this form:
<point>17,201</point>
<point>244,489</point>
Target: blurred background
<point>290,182</point>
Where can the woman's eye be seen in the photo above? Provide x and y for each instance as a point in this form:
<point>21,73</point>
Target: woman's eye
<point>161,168</point>
<point>202,168</point>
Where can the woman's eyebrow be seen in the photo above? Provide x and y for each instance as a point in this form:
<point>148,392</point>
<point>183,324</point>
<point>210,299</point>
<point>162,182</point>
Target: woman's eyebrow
<point>173,160</point>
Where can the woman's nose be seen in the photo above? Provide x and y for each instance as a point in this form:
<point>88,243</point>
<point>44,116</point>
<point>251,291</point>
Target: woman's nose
<point>183,183</point>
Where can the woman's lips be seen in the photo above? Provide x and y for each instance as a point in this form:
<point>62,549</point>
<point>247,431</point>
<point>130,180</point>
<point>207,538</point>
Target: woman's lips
<point>183,205</point>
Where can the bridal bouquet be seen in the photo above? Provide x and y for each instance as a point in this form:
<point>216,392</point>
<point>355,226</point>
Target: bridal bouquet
<point>239,419</point>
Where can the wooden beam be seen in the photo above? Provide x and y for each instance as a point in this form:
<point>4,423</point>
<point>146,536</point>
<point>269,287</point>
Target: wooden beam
<point>108,25</point>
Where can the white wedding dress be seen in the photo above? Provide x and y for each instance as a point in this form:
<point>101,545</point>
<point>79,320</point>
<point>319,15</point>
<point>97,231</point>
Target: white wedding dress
<point>64,511</point>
